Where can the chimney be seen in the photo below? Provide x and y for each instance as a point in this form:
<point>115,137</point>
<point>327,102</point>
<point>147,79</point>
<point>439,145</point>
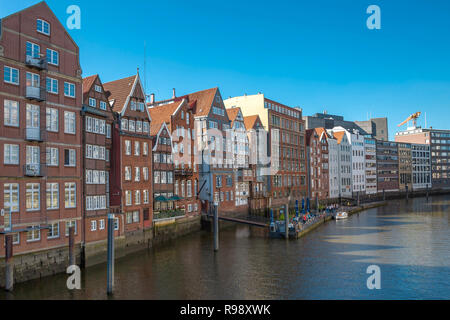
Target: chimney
<point>152,98</point>
<point>173,93</point>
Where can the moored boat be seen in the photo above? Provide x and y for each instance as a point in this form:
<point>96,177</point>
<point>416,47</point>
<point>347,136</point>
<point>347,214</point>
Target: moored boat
<point>341,215</point>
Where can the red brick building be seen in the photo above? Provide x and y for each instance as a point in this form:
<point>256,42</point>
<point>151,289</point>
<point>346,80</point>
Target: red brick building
<point>41,98</point>
<point>97,122</point>
<point>258,197</point>
<point>131,155</point>
<point>318,167</point>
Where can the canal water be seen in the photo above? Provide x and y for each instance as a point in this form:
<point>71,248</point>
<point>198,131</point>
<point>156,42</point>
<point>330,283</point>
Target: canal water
<point>409,241</point>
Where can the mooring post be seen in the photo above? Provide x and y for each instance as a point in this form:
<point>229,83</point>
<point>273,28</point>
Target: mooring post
<point>406,192</point>
<point>286,219</point>
<point>384,195</point>
<point>358,201</point>
<point>216,228</point>
<point>110,257</point>
<point>427,191</point>
<point>9,264</point>
<point>317,203</point>
<point>71,246</point>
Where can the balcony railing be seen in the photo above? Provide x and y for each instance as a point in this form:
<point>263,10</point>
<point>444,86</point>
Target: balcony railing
<point>168,214</point>
<point>183,171</point>
<point>34,170</point>
<point>35,93</point>
<point>40,63</point>
<point>34,134</point>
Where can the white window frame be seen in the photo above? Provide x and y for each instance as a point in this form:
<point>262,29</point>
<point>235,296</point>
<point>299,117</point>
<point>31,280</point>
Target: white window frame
<point>31,188</point>
<point>10,107</point>
<point>68,118</point>
<point>51,54</point>
<point>52,85</point>
<point>68,88</point>
<point>52,119</point>
<point>11,76</point>
<point>10,157</point>
<point>43,23</point>
<point>70,191</point>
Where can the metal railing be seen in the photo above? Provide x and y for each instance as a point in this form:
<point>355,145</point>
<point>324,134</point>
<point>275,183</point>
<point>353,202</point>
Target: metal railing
<point>168,214</point>
<point>40,63</point>
<point>35,134</point>
<point>35,93</point>
<point>34,170</point>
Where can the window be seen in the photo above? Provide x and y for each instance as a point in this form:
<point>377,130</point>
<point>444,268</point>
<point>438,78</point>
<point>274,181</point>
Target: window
<point>69,122</point>
<point>145,127</point>
<point>133,105</point>
<point>124,124</point>
<point>138,126</point>
<point>145,195</point>
<point>52,195</point>
<point>101,224</point>
<point>128,147</point>
<point>141,106</point>
<point>145,173</point>
<point>128,200</point>
<point>52,85</point>
<point>131,125</point>
<point>108,131</point>
<point>52,57</point>
<point>11,154</point>
<point>128,173</point>
<point>137,176</point>
<point>70,195</point>
<point>43,26</point>
<point>69,89</point>
<point>116,223</point>
<point>69,157</point>
<point>136,148</point>
<point>98,88</point>
<point>145,148</point>
<point>137,197</point>
<point>52,119</point>
<point>93,225</point>
<point>71,223</point>
<point>11,113</point>
<point>10,75</point>
<point>103,105</point>
<point>156,177</point>
<point>52,157</point>
<point>92,102</point>
<point>32,50</point>
<point>53,231</point>
<point>34,234</point>
<point>11,196</point>
<point>33,196</point>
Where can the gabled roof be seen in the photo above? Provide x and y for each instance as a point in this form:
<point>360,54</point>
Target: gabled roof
<point>156,136</point>
<point>250,121</point>
<point>232,114</point>
<point>204,100</point>
<point>120,90</point>
<point>88,82</point>
<point>162,114</point>
<point>45,5</point>
<point>339,136</point>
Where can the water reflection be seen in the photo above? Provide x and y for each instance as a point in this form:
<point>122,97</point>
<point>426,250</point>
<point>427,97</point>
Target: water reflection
<point>407,239</point>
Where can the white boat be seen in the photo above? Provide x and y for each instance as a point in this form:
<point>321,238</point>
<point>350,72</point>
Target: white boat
<point>341,215</point>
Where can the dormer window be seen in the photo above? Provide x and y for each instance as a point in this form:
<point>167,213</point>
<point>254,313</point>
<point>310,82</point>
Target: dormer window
<point>141,106</point>
<point>133,105</point>
<point>43,27</point>
<point>98,88</point>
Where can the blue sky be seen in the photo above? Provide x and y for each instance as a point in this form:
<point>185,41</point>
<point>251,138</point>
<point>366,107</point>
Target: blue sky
<point>315,54</point>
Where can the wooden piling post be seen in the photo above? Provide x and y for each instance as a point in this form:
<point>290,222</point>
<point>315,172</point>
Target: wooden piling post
<point>110,258</point>
<point>9,264</point>
<point>216,228</point>
<point>71,246</point>
<point>286,219</point>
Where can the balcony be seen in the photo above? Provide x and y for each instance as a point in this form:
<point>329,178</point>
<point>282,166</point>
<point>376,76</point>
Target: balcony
<point>35,93</point>
<point>39,63</point>
<point>183,171</point>
<point>34,170</point>
<point>34,134</point>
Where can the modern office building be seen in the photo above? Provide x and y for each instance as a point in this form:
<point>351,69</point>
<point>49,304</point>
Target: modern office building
<point>376,127</point>
<point>387,166</point>
<point>439,142</point>
<point>421,166</point>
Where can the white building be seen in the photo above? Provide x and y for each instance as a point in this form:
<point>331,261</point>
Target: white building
<point>370,147</point>
<point>421,166</point>
<point>345,163</point>
<point>333,165</point>
<point>358,160</point>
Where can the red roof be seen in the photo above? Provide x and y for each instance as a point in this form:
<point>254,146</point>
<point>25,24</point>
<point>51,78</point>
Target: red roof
<point>88,82</point>
<point>251,121</point>
<point>119,89</point>
<point>162,114</point>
